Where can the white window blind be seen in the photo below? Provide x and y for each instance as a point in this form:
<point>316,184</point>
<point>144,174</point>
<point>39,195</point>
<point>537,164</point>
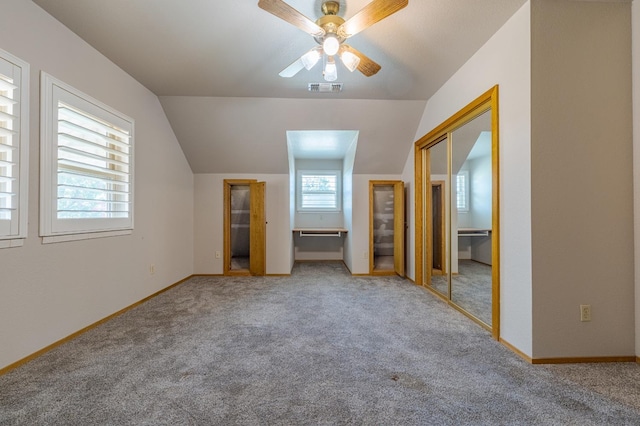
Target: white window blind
<point>14,77</point>
<point>462,191</point>
<point>319,191</point>
<point>90,164</point>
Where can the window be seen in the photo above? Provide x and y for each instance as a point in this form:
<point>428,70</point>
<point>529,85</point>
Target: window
<point>462,191</point>
<point>14,149</point>
<point>87,164</point>
<point>318,191</point>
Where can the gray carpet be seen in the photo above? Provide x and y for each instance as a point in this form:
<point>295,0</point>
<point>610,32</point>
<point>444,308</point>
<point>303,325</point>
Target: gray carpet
<point>319,347</point>
<point>471,289</point>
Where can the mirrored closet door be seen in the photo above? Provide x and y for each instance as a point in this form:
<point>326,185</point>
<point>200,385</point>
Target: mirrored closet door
<point>471,224</point>
<point>457,224</point>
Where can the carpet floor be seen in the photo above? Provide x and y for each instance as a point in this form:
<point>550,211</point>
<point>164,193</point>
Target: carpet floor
<point>318,347</point>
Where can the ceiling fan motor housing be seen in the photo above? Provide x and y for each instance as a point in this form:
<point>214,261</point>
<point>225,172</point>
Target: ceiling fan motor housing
<point>330,23</point>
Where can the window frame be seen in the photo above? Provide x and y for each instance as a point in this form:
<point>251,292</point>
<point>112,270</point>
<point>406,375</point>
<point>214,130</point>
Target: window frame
<point>18,233</point>
<point>338,192</point>
<point>53,228</point>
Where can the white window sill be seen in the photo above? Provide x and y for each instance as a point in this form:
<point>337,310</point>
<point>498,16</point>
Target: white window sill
<point>17,242</point>
<point>319,211</point>
<point>87,236</point>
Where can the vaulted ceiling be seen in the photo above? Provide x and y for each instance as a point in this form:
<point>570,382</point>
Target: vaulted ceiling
<point>215,63</point>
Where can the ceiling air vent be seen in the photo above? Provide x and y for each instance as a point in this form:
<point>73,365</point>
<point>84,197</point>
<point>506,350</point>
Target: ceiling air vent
<point>325,87</point>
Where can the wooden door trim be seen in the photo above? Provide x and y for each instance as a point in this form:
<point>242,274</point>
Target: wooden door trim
<point>398,227</point>
<point>257,227</point>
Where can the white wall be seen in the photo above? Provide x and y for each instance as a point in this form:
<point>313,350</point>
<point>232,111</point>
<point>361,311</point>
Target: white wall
<point>505,60</point>
<point>209,222</point>
<point>480,213</point>
<point>347,202</point>
<point>582,178</point>
<point>48,292</point>
<point>636,159</point>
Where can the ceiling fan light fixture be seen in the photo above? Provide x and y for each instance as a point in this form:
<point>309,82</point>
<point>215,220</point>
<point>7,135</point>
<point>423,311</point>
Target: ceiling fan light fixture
<point>311,58</point>
<point>330,44</point>
<point>330,71</point>
<point>350,61</point>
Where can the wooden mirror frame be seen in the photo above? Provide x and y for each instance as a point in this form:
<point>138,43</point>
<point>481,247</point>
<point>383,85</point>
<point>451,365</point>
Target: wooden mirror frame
<point>486,101</point>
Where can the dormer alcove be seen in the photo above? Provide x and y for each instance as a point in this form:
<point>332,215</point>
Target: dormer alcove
<point>320,174</point>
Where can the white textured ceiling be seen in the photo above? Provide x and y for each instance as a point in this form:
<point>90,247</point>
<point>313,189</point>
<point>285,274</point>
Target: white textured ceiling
<point>234,49</point>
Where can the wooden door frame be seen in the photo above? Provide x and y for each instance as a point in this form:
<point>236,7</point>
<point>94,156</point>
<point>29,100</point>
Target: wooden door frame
<point>398,228</point>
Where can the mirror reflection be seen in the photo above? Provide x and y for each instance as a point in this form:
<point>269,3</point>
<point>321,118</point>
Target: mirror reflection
<point>437,217</point>
<point>471,207</point>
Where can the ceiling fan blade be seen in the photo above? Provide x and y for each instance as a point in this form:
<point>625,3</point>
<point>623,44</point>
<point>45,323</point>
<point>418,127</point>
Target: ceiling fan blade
<point>308,61</point>
<point>366,65</point>
<point>375,11</point>
<point>287,13</point>
<point>292,69</point>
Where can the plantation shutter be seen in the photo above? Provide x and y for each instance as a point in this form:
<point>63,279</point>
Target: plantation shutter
<point>10,148</point>
<point>319,191</point>
<point>462,191</point>
<point>87,166</point>
<point>93,166</point>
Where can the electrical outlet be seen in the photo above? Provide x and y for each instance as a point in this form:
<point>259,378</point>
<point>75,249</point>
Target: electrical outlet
<point>217,255</point>
<point>585,313</point>
<point>152,269</point>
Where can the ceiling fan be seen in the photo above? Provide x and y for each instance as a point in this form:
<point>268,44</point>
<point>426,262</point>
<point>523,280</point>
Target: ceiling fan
<point>330,31</point>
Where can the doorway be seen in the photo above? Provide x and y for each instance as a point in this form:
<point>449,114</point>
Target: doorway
<point>386,227</point>
<point>244,227</point>
<point>439,266</point>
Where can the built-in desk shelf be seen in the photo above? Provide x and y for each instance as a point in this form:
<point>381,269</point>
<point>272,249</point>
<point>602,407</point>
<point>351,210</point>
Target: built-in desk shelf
<point>320,232</point>
<point>473,232</point>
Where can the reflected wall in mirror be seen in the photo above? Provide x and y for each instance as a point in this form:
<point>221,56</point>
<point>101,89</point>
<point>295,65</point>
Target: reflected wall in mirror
<point>457,223</point>
<point>471,217</point>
